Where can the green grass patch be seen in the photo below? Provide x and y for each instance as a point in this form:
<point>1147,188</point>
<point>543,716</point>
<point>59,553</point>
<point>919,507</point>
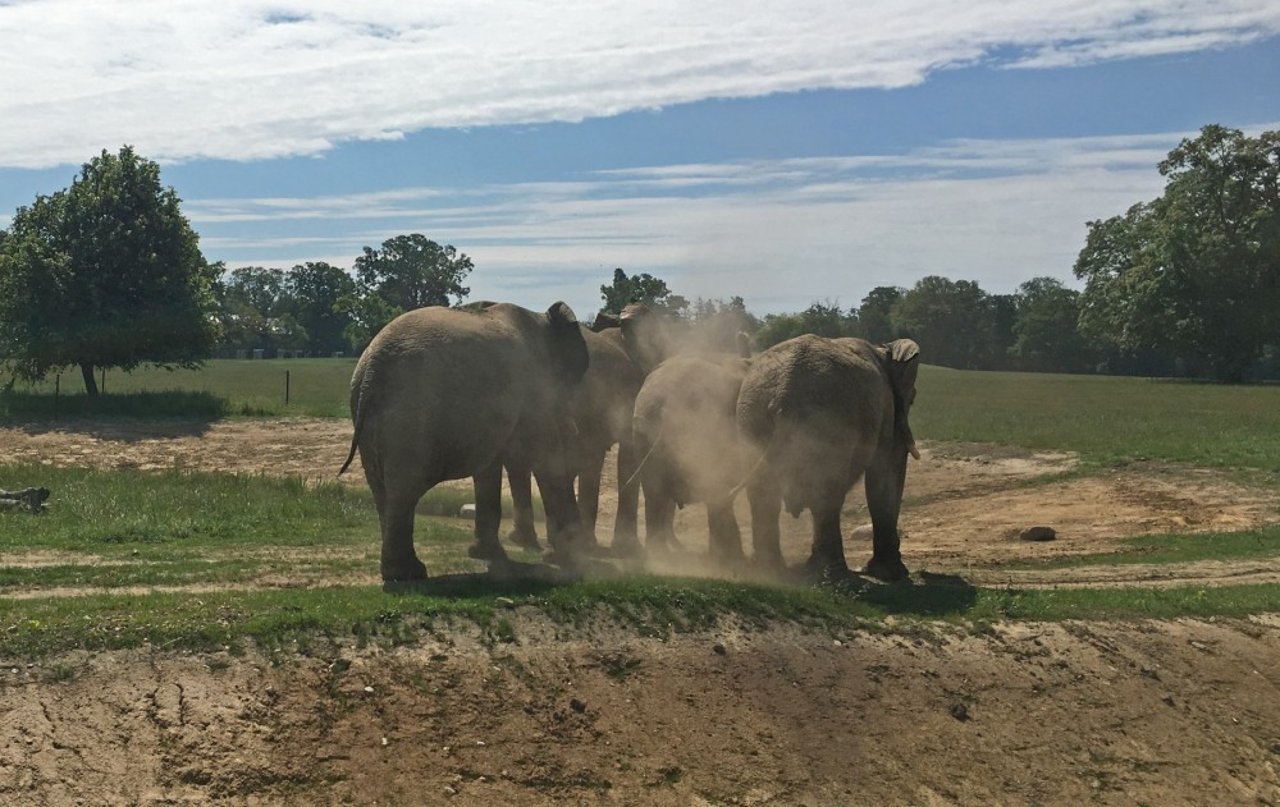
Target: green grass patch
<point>1104,418</point>
<point>221,388</point>
<point>655,606</point>
<point>1182,548</point>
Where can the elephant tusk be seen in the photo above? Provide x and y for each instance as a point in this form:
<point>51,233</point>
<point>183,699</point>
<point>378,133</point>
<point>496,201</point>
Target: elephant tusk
<point>911,447</point>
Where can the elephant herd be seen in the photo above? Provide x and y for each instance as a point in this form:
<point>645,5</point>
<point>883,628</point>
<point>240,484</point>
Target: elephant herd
<point>445,393</point>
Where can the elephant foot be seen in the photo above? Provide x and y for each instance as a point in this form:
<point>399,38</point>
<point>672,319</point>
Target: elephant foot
<point>886,570</point>
<point>487,550</point>
<point>525,539</point>
<point>826,571</point>
<point>405,571</point>
<point>626,547</point>
<point>728,557</point>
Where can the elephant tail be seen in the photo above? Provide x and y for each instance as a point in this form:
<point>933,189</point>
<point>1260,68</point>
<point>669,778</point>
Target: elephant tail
<point>359,407</point>
<point>767,457</point>
<point>643,460</point>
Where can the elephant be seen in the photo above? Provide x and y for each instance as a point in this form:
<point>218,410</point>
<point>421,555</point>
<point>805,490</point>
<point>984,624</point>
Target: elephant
<point>815,415</point>
<point>685,432</point>
<point>601,411</point>
<point>445,394</point>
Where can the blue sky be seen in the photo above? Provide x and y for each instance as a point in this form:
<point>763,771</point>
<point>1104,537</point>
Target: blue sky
<point>807,151</point>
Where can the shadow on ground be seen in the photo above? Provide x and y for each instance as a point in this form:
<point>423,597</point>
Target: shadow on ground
<point>166,414</point>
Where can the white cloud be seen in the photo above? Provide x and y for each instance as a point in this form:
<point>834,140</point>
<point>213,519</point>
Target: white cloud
<point>250,79</point>
<point>779,232</point>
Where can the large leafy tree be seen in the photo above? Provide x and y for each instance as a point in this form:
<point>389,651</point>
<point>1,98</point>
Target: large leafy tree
<point>1046,336</point>
<point>412,271</point>
<point>315,291</point>
<point>820,318</point>
<point>875,315</point>
<point>641,288</point>
<point>1197,270</point>
<point>951,319</point>
<point>106,273</point>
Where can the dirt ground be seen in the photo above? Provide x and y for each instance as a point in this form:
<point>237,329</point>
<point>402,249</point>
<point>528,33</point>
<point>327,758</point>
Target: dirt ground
<point>1180,712</point>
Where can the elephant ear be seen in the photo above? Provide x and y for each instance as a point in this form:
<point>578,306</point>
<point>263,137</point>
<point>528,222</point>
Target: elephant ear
<point>903,359</point>
<point>567,347</point>
<point>604,320</point>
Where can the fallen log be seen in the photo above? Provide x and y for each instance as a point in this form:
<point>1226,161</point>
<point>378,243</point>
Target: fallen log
<point>29,499</point>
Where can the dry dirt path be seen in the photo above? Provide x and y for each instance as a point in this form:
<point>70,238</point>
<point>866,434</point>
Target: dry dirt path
<point>1166,713</point>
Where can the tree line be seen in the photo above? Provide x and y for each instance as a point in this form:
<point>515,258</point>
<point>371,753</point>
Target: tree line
<point>108,273</point>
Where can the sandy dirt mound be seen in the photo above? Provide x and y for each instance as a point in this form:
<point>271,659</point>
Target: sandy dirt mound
<point>1148,713</point>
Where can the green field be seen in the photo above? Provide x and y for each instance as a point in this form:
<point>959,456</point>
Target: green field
<point>1104,418</point>
<point>111,534</point>
<point>223,387</point>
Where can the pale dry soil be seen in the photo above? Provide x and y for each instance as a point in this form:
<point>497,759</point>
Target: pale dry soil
<point>1163,713</point>
<point>1160,713</point>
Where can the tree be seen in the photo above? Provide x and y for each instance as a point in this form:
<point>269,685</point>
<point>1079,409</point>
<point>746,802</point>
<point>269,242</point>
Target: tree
<point>716,323</point>
<point>951,319</point>
<point>875,315</point>
<point>1197,270</point>
<point>412,271</point>
<point>1046,336</point>
<point>315,291</point>
<point>106,273</point>
<point>820,319</point>
<point>641,288</point>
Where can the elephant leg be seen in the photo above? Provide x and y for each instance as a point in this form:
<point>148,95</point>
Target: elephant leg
<point>399,562</point>
<point>765,497</point>
<point>659,519</point>
<point>488,489</point>
<point>625,535</point>
<point>726,538</point>
<point>563,522</point>
<point>589,494</point>
<point>523,534</point>
<point>826,559</point>
<point>885,479</point>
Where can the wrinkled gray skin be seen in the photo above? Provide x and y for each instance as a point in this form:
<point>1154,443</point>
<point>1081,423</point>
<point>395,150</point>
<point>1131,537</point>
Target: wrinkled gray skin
<point>815,415</point>
<point>601,411</point>
<point>686,437</point>
<point>444,394</point>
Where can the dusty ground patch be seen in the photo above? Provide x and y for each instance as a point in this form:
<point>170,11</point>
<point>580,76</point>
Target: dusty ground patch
<point>1148,713</point>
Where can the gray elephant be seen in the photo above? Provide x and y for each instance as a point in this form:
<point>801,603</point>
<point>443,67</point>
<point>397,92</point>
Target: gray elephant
<point>815,415</point>
<point>623,348</point>
<point>685,434</point>
<point>445,394</point>
<point>601,409</point>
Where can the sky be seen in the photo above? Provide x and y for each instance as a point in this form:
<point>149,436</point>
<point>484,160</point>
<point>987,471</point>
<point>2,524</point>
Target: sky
<point>785,152</point>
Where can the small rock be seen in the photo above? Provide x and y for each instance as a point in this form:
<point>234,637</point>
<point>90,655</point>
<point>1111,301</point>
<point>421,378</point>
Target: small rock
<point>467,511</point>
<point>866,532</point>
<point>837,643</point>
<point>577,705</point>
<point>505,602</point>
<point>960,712</point>
<point>480,743</point>
<point>718,649</point>
<point>451,790</point>
<point>1038,534</point>
<point>368,689</point>
<point>384,741</point>
<point>1151,673</point>
<point>1168,700</point>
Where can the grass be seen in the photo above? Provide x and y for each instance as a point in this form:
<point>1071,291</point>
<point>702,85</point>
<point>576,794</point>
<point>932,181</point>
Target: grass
<point>222,388</point>
<point>654,606</point>
<point>1184,548</point>
<point>1106,419</point>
